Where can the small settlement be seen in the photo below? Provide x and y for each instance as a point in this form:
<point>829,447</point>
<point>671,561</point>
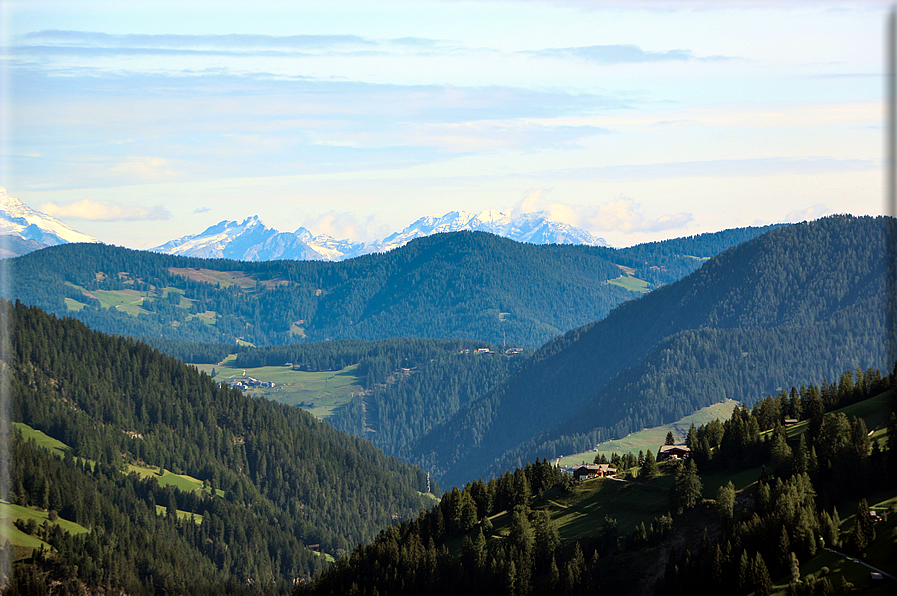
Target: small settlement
<point>673,452</point>
<point>593,471</point>
<point>249,383</point>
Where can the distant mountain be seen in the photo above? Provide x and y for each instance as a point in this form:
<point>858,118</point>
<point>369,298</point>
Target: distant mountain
<point>251,240</point>
<point>532,228</point>
<point>802,302</point>
<point>31,230</point>
<point>469,285</point>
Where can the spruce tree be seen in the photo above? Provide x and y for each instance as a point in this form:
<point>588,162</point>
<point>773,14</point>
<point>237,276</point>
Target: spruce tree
<point>649,470</point>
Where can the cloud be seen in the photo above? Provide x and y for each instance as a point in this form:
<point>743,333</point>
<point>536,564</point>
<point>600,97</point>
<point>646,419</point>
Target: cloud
<point>533,203</point>
<point>624,215</point>
<point>808,214</point>
<point>144,167</point>
<point>105,211</point>
<point>346,225</point>
<point>227,43</point>
<point>202,209</point>
<point>614,54</point>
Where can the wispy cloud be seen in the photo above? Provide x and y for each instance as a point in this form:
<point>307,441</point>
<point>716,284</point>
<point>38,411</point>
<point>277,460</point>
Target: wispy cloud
<point>622,215</point>
<point>217,42</point>
<point>618,54</point>
<point>346,225</point>
<point>105,211</point>
<point>808,214</point>
<point>764,166</point>
<point>625,215</point>
<point>95,44</point>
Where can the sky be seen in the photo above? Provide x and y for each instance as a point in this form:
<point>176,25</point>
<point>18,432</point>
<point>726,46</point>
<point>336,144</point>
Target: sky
<point>140,122</point>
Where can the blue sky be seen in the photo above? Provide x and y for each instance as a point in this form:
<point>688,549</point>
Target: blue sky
<point>140,122</point>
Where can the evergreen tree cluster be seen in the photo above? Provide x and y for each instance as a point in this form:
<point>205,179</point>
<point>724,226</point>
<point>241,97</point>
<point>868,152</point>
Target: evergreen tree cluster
<point>749,539</point>
<point>288,479</point>
<point>794,305</point>
<point>792,512</point>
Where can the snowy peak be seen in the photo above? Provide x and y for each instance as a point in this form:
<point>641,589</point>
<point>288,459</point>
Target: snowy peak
<point>250,240</point>
<point>18,219</point>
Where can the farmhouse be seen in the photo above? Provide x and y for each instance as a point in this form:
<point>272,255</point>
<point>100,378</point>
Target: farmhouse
<point>673,452</point>
<point>593,471</point>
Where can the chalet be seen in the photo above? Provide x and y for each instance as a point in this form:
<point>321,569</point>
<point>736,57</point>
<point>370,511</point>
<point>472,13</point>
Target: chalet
<point>673,452</point>
<point>791,421</point>
<point>593,471</point>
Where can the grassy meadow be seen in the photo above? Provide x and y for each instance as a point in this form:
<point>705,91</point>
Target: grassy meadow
<point>653,438</point>
<point>321,392</point>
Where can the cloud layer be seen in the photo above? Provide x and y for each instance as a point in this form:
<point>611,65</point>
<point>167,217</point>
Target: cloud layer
<point>87,210</point>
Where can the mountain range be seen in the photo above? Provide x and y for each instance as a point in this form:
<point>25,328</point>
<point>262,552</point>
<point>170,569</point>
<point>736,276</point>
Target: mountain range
<point>251,240</point>
<point>469,285</point>
<point>22,229</point>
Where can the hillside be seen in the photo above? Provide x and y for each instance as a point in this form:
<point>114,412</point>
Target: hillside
<point>181,485</point>
<point>754,510</point>
<point>469,285</point>
<point>799,303</point>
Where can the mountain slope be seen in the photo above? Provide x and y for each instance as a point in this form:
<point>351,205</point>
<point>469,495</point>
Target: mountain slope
<point>462,285</point>
<point>252,241</point>
<point>36,229</point>
<point>807,293</point>
<point>269,479</point>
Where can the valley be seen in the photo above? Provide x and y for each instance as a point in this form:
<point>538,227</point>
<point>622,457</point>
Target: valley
<point>209,468</point>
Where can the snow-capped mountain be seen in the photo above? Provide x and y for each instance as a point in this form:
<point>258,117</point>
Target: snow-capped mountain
<point>533,228</point>
<point>36,229</point>
<point>252,241</point>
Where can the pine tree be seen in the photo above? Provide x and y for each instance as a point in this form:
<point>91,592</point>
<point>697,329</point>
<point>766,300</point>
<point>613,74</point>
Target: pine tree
<point>650,469</point>
<point>795,569</point>
<point>686,490</point>
<point>725,502</point>
<point>761,580</point>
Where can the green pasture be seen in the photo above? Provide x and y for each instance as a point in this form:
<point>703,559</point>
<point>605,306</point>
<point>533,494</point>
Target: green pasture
<point>325,391</point>
<point>168,478</point>
<point>874,412</point>
<point>181,481</point>
<point>226,278</point>
<point>181,515</point>
<point>630,283</point>
<point>57,447</point>
<point>27,542</point>
<point>881,553</point>
<point>73,305</point>
<point>581,512</point>
<point>653,438</point>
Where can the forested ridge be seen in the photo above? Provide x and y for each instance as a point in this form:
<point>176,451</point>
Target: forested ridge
<point>510,535</point>
<point>463,285</point>
<point>288,479</point>
<point>803,301</point>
